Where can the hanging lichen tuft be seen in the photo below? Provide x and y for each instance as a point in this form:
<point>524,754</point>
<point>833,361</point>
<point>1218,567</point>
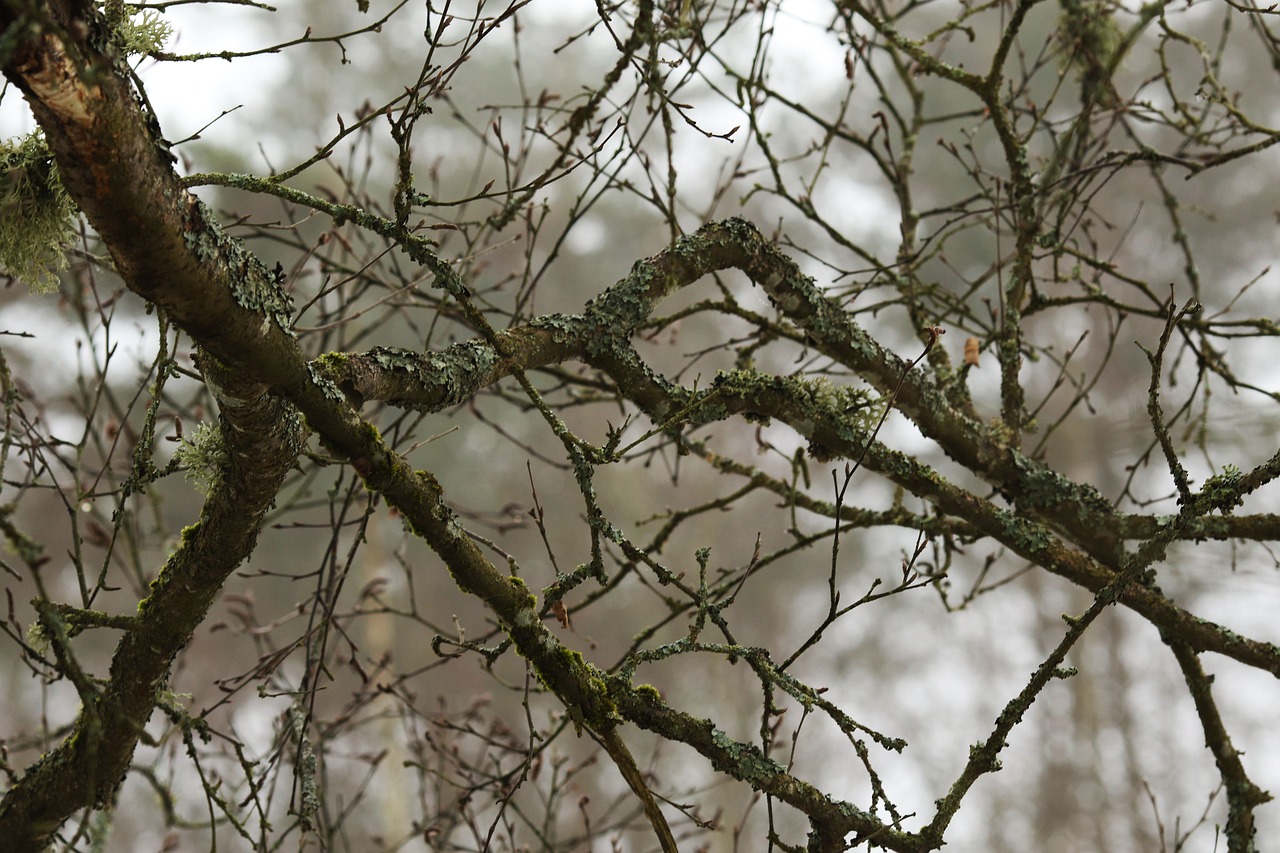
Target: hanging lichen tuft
<point>37,217</point>
<point>1090,39</point>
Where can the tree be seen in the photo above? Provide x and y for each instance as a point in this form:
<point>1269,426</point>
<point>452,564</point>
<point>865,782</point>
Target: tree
<point>875,346</point>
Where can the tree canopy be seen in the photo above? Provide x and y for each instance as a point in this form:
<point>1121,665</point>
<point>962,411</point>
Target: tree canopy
<point>690,425</point>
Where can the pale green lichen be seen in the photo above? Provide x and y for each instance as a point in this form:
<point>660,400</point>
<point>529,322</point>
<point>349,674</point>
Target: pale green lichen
<point>745,761</point>
<point>38,637</point>
<point>322,371</point>
<point>1041,487</point>
<point>252,285</point>
<point>37,217</point>
<point>204,455</point>
<point>811,405</point>
<point>143,33</point>
<point>1222,492</point>
<point>171,701</point>
<point>1028,535</point>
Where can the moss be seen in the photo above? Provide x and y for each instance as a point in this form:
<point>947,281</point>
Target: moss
<point>186,540</point>
<point>581,686</point>
<point>332,364</point>
<point>648,692</point>
<point>527,600</point>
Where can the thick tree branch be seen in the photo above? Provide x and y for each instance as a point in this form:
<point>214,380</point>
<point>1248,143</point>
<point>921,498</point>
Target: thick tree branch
<point>262,436</point>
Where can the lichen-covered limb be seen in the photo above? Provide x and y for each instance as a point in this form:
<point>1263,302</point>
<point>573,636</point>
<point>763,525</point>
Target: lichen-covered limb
<point>1075,508</point>
<point>602,336</point>
<point>116,168</point>
<point>431,382</point>
<point>263,435</point>
<point>826,425</point>
<point>1243,796</point>
<point>832,819</point>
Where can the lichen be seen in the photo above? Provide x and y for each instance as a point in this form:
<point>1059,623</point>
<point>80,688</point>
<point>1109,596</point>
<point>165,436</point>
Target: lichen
<point>204,454</point>
<point>1040,486</point>
<point>1222,492</point>
<point>37,216</point>
<point>1031,537</point>
<point>38,636</point>
<point>810,405</point>
<point>143,33</point>
<point>746,763</point>
<point>252,285</point>
<point>321,372</point>
<point>1090,38</point>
